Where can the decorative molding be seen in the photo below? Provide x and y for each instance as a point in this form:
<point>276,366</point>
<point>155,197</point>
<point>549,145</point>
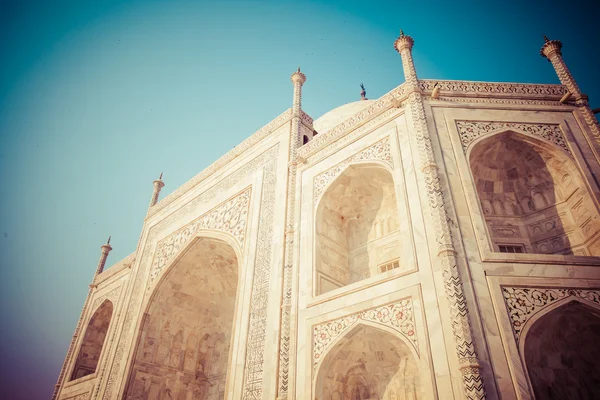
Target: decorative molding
<point>399,316</point>
<point>224,160</point>
<point>332,137</point>
<point>230,217</point>
<point>503,100</point>
<point>253,371</point>
<point>523,303</point>
<point>493,88</point>
<point>82,396</point>
<point>471,130</point>
<point>377,151</point>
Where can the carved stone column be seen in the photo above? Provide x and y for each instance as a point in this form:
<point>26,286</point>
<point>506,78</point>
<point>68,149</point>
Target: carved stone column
<point>552,51</point>
<point>158,185</point>
<point>461,326</point>
<point>105,250</point>
<point>298,79</point>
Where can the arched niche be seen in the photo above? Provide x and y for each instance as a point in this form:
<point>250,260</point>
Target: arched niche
<point>533,197</point>
<point>184,344</point>
<point>357,229</point>
<point>562,355</point>
<point>93,341</point>
<point>368,363</point>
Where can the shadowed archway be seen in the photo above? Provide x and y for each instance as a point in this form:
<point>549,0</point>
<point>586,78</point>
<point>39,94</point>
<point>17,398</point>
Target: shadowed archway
<point>184,344</point>
<point>93,341</point>
<point>562,354</point>
<point>533,197</point>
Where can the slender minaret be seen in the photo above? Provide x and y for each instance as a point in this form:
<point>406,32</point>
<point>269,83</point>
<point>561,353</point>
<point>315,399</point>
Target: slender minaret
<point>158,185</point>
<point>446,252</point>
<point>105,250</point>
<point>552,51</point>
<point>298,79</point>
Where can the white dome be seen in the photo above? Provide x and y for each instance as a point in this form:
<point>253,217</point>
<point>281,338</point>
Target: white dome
<point>338,115</point>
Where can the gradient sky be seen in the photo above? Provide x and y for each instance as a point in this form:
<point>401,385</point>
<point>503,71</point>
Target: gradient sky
<point>98,97</point>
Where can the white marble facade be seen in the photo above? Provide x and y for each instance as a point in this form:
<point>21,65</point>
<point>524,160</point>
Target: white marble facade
<point>430,244</point>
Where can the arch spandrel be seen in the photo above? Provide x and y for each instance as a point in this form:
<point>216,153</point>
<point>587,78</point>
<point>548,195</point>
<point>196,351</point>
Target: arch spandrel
<point>472,132</point>
<point>397,317</point>
<point>229,221</point>
<point>527,304</point>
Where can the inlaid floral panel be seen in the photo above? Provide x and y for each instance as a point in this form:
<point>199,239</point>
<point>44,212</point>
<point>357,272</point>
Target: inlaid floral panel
<point>522,302</point>
<point>471,130</point>
<point>398,316</point>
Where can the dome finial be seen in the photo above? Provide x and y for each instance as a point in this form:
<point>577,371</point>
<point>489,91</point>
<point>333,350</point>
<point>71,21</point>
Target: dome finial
<point>546,40</point>
<point>401,33</point>
<point>363,92</point>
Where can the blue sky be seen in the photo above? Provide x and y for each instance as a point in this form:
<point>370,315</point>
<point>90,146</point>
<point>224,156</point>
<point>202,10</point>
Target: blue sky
<point>97,98</point>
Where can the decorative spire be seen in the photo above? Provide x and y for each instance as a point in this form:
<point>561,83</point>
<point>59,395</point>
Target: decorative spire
<point>158,185</point>
<point>106,248</point>
<point>363,92</point>
<point>403,41</point>
<point>550,48</point>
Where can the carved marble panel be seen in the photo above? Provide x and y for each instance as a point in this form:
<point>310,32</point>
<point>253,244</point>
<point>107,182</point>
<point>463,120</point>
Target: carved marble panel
<point>522,302</point>
<point>229,216</point>
<point>398,316</point>
<point>471,130</point>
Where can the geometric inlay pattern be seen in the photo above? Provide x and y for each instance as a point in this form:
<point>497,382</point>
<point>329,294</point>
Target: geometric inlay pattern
<point>378,151</point>
<point>398,316</point>
<point>522,303</point>
<point>471,130</point>
<point>230,217</point>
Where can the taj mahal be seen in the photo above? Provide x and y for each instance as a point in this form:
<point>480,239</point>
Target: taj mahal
<point>439,242</point>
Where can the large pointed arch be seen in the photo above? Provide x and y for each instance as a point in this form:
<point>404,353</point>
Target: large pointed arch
<point>191,313</point>
<point>368,362</point>
<point>91,347</point>
<point>357,227</point>
<point>560,351</point>
<point>532,196</point>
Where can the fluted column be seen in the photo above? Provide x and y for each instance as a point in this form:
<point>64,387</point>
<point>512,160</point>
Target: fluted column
<point>446,253</point>
<point>552,51</point>
<point>105,250</point>
<point>298,79</point>
<point>158,185</point>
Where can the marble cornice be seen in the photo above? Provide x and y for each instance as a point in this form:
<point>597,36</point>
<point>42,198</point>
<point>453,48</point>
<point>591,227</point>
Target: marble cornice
<point>451,88</point>
<point>259,135</point>
<point>115,268</point>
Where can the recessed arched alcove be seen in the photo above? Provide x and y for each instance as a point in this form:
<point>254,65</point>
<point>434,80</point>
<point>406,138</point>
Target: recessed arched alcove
<point>357,228</point>
<point>93,341</point>
<point>562,354</point>
<point>368,363</point>
<point>184,344</point>
<point>533,197</point>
